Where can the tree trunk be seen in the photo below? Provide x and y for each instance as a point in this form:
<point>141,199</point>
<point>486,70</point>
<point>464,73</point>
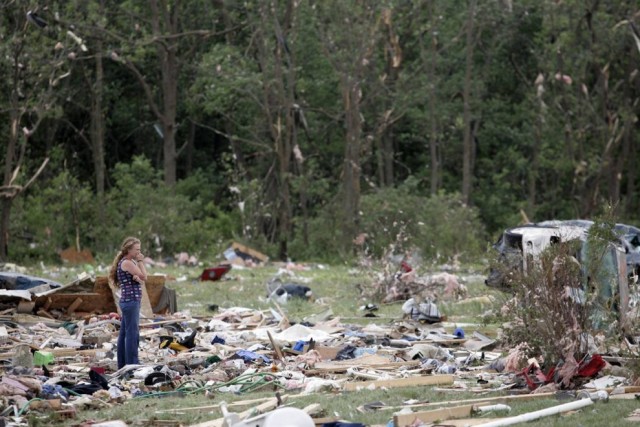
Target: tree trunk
<point>433,130</point>
<point>631,205</point>
<point>388,150</point>
<point>97,131</point>
<point>351,168</point>
<point>7,200</point>
<point>286,80</point>
<point>166,19</point>
<point>228,125</point>
<point>278,108</point>
<point>188,164</point>
<point>170,98</point>
<point>467,151</point>
<point>533,168</point>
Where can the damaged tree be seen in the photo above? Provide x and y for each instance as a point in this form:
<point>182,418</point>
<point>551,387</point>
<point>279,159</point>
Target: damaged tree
<point>349,47</point>
<point>32,73</point>
<point>568,293</point>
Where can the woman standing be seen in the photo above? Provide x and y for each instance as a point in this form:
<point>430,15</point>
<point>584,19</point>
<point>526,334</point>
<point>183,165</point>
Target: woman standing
<point>128,273</point>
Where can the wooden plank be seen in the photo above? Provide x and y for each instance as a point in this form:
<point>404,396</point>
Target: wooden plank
<point>251,252</point>
<point>114,295</point>
<point>453,341</point>
<point>495,399</point>
<point>324,420</point>
<point>145,305</point>
<point>269,405</point>
<point>428,416</point>
<point>45,313</point>
<point>101,286</point>
<point>313,409</point>
<point>57,352</point>
<point>216,406</point>
<point>324,367</point>
<point>161,322</point>
<point>275,347</point>
<point>401,382</point>
<point>272,403</point>
<point>623,389</point>
<point>26,306</point>
<point>441,414</point>
<point>47,304</point>
<point>327,353</point>
<point>150,293</point>
<point>155,286</point>
<point>90,302</point>
<point>74,305</point>
<point>469,422</point>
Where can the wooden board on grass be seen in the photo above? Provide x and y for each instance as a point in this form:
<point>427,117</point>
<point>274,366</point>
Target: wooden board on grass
<point>401,382</point>
<point>441,414</point>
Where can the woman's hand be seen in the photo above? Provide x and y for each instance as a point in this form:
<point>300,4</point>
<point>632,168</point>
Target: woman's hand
<point>140,257</point>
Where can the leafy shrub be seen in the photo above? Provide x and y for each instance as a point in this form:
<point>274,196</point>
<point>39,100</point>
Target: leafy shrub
<point>51,219</point>
<point>165,222</point>
<point>442,226</point>
<point>395,219</point>
<point>566,297</point>
<point>63,209</point>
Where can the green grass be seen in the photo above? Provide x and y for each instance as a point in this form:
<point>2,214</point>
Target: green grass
<point>334,287</point>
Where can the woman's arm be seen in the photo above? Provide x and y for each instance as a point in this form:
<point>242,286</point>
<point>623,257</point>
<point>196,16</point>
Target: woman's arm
<point>135,269</point>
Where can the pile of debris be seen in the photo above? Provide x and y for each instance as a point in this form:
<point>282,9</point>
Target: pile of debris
<point>59,352</point>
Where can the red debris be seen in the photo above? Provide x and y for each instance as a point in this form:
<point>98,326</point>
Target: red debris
<point>215,273</point>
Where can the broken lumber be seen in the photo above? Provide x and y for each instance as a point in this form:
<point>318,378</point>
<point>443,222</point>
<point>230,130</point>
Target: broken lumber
<point>326,367</point>
<point>26,306</point>
<point>276,347</point>
<point>433,415</point>
<point>496,399</point>
<point>313,409</point>
<point>4,335</point>
<point>74,305</point>
<point>57,352</point>
<point>270,404</point>
<point>427,417</point>
<point>45,313</point>
<point>145,304</point>
<point>216,406</point>
<point>401,382</point>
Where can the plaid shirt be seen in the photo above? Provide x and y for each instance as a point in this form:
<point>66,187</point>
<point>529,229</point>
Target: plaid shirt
<point>131,290</point>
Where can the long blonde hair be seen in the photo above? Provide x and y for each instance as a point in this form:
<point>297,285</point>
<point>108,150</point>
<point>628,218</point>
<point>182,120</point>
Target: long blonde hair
<point>124,249</point>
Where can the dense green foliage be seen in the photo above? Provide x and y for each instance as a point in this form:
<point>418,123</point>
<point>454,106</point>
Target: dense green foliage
<point>285,120</point>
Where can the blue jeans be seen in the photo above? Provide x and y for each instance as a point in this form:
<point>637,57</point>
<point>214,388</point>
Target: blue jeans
<point>129,333</point>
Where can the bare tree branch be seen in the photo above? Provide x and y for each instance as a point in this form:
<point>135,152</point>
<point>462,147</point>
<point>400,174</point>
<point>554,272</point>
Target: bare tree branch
<point>38,172</point>
<point>145,86</point>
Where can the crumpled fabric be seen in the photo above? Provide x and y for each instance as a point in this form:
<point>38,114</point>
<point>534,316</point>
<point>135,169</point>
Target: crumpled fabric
<point>589,367</point>
<point>427,363</point>
<point>346,353</point>
<point>249,356</point>
<point>50,391</point>
<point>426,311</point>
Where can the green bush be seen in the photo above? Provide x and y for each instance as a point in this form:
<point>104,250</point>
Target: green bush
<point>323,236</point>
<point>165,222</point>
<point>441,226</point>
<point>48,220</point>
<point>567,297</point>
